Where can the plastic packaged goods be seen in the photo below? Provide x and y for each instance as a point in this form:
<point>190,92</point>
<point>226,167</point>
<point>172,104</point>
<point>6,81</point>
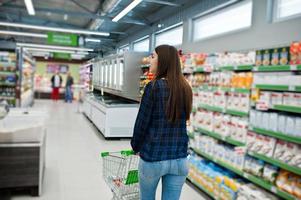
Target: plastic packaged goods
<point>270,173</point>
<point>251,192</point>
<point>289,182</point>
<point>295,53</point>
<point>218,181</point>
<point>273,121</point>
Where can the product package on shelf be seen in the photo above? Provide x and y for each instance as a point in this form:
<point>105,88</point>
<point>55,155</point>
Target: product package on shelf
<point>224,125</point>
<point>277,122</point>
<point>273,57</point>
<point>252,192</point>
<point>289,182</point>
<point>261,144</point>
<point>289,153</point>
<point>218,182</point>
<point>295,53</point>
<point>225,153</point>
<point>86,76</point>
<point>268,100</point>
<point>147,76</point>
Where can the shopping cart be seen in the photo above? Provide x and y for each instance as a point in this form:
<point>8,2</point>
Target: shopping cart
<point>120,172</point>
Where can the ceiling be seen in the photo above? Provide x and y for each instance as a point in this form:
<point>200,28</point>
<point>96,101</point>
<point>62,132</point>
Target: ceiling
<point>93,15</point>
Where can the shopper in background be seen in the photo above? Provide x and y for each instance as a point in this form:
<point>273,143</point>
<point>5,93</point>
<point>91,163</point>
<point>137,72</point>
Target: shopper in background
<point>68,88</point>
<point>160,135</point>
<point>56,82</point>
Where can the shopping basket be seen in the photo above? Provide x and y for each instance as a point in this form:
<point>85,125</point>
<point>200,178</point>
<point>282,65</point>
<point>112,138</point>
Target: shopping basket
<point>120,172</point>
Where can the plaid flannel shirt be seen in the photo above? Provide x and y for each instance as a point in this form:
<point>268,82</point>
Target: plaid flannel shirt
<point>155,138</point>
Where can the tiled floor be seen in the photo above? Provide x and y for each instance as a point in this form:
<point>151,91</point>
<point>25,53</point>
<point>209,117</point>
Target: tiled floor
<point>73,166</point>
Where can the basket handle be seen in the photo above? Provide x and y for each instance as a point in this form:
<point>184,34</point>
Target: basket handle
<point>123,152</point>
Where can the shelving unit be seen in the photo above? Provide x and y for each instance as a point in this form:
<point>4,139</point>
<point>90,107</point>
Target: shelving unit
<point>258,181</point>
<point>26,65</point>
<point>222,110</point>
<point>201,188</point>
<point>291,88</point>
<point>277,68</point>
<point>225,89</point>
<point>286,108</point>
<point>8,78</point>
<point>85,73</point>
<point>275,162</point>
<point>278,135</point>
<point>281,136</point>
<point>237,68</point>
<point>217,136</point>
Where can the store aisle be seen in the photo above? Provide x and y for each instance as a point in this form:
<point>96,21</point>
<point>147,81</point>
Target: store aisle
<point>73,167</point>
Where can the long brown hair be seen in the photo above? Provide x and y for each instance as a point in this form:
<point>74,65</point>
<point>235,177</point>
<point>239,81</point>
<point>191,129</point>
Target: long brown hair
<point>180,96</point>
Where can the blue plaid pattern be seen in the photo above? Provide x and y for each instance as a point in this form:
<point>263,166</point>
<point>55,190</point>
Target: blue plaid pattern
<point>154,137</point>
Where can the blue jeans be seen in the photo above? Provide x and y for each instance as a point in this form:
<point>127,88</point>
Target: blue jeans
<point>68,94</point>
<point>172,172</point>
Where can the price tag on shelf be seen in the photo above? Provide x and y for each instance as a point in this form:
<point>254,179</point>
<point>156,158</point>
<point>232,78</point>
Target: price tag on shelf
<point>255,69</point>
<point>235,67</point>
<point>246,175</point>
<point>223,137</point>
<point>293,67</point>
<point>292,88</point>
<point>274,189</point>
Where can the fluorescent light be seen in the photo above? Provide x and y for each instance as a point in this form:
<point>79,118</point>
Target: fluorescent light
<point>92,40</point>
<point>48,50</point>
<point>82,53</point>
<point>126,10</point>
<point>23,34</point>
<point>29,7</point>
<point>45,28</point>
<point>53,47</point>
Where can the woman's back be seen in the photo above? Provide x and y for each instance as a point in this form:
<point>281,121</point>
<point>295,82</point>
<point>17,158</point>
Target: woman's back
<point>163,140</point>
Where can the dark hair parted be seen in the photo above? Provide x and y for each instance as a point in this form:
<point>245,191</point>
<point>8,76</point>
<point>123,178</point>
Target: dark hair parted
<point>180,97</point>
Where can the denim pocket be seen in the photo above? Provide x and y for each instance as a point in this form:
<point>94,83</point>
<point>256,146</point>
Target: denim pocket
<point>182,167</point>
<point>150,169</point>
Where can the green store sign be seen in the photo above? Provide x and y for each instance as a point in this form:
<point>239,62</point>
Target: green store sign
<point>66,56</point>
<point>62,39</point>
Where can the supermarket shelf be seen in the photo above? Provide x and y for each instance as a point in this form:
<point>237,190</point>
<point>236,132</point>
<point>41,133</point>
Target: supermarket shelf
<point>200,187</point>
<point>211,108</point>
<point>226,111</point>
<point>237,113</point>
<point>190,135</point>
<point>275,162</point>
<point>8,84</point>
<point>253,179</point>
<point>237,68</point>
<point>7,97</point>
<point>225,89</point>
<point>194,110</point>
<point>292,88</point>
<point>7,73</point>
<point>7,64</point>
<point>203,68</point>
<point>277,68</point>
<point>292,109</point>
<point>279,135</point>
<point>219,162</point>
<point>219,137</point>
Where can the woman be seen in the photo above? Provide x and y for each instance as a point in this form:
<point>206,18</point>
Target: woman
<point>160,135</point>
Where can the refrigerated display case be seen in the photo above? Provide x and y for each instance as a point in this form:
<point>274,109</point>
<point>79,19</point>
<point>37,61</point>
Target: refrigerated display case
<point>118,74</point>
<point>104,110</point>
